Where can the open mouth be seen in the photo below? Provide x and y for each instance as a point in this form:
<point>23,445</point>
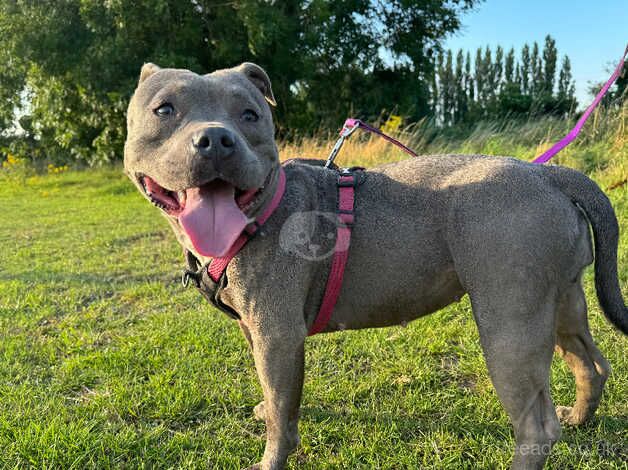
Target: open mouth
<point>171,202</point>
<point>212,215</point>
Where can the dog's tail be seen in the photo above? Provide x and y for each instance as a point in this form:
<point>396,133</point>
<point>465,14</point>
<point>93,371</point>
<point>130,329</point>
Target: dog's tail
<point>601,215</point>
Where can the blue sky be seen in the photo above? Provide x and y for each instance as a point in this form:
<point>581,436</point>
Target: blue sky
<point>592,33</point>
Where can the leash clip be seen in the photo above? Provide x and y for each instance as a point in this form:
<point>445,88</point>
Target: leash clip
<point>349,127</point>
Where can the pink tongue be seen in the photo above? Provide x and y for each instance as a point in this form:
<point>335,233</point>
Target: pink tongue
<point>212,219</point>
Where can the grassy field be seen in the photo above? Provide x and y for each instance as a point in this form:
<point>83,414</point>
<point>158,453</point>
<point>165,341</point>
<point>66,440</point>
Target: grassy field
<point>106,361</point>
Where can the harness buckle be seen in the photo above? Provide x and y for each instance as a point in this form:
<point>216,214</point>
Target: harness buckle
<point>187,275</point>
<point>346,183</point>
<point>347,178</point>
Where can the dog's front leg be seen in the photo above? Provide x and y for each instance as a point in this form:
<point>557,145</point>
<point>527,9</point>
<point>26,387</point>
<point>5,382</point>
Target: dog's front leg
<point>279,360</point>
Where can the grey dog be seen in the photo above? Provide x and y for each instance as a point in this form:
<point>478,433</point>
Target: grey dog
<point>512,235</point>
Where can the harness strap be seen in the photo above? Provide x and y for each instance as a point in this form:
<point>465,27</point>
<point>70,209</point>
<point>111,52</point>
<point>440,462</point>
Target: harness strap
<point>218,265</point>
<point>347,181</point>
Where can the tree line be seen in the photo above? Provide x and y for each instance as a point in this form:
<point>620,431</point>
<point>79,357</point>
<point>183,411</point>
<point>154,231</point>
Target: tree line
<point>494,85</point>
<point>70,66</point>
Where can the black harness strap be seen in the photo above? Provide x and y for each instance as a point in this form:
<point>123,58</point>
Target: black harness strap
<point>197,273</point>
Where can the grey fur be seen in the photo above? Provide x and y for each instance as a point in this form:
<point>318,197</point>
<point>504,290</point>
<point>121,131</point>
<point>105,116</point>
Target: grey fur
<point>427,231</point>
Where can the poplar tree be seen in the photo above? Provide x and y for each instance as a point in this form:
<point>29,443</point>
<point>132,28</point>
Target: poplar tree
<point>498,85</point>
<point>498,68</point>
<point>469,84</point>
<point>440,85</point>
<point>480,79</point>
<point>509,66</point>
<point>447,90</point>
<point>489,72</point>
<point>518,80</point>
<point>549,61</point>
<point>566,88</point>
<point>536,70</point>
<point>434,94</point>
<point>461,92</point>
<point>526,69</point>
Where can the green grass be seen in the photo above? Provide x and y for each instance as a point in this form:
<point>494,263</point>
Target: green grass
<point>106,361</point>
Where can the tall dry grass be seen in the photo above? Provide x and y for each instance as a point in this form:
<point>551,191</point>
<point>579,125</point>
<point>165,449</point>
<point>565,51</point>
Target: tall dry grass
<point>601,150</point>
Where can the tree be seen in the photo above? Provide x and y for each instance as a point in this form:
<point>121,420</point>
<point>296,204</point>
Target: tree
<point>549,59</point>
<point>526,69</point>
<point>536,64</point>
<point>460,88</point>
<point>617,93</point>
<point>498,67</point>
<point>469,85</point>
<point>621,91</point>
<point>480,80</point>
<point>448,86</point>
<point>78,60</point>
<point>509,67</point>
<point>505,87</point>
<point>566,88</point>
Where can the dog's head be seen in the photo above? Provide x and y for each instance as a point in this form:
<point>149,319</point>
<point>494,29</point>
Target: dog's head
<point>200,147</point>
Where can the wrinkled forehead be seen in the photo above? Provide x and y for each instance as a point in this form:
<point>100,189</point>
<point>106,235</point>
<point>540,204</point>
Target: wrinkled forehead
<point>171,80</point>
<point>184,84</point>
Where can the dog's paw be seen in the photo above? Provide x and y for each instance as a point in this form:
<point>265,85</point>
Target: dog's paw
<point>259,412</point>
<point>567,415</point>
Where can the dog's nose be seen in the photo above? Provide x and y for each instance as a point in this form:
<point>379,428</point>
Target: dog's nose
<point>215,140</point>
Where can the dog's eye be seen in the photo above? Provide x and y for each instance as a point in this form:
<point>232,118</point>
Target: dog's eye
<point>250,116</point>
<point>165,110</point>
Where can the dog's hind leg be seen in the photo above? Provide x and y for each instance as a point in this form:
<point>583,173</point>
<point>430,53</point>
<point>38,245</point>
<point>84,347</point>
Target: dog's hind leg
<point>516,326</point>
<point>575,345</point>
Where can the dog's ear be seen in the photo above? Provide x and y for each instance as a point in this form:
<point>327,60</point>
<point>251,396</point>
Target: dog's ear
<point>259,78</point>
<point>147,70</point>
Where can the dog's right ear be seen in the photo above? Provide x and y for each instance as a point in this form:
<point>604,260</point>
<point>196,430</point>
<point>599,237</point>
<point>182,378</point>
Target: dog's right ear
<point>147,70</point>
<point>259,78</point>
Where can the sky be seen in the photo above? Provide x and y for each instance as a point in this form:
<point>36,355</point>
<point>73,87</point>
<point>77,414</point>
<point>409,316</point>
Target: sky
<point>592,33</point>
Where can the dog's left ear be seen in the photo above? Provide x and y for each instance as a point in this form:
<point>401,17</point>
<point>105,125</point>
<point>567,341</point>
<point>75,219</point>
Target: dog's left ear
<point>259,78</point>
<point>148,69</point>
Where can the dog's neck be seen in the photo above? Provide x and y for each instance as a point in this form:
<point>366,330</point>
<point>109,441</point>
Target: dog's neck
<point>265,195</point>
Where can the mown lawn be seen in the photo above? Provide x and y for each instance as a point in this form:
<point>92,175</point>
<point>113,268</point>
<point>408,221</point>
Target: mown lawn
<point>106,361</point>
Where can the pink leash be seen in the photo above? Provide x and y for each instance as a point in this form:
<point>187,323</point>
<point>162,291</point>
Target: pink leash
<point>351,125</point>
<point>565,141</point>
